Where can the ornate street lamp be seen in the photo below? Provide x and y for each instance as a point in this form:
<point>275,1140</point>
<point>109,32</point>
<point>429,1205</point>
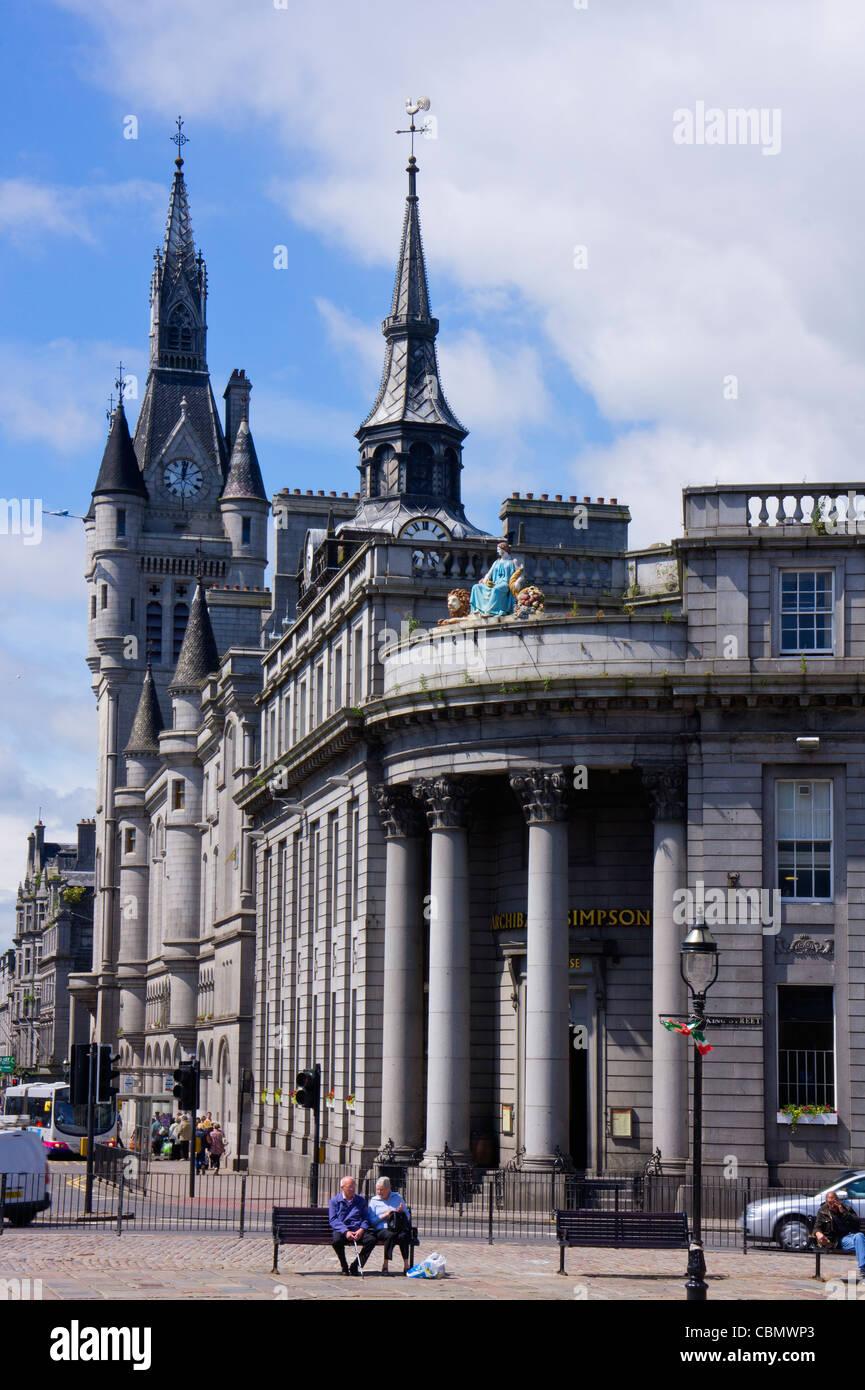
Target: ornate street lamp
<point>698,963</point>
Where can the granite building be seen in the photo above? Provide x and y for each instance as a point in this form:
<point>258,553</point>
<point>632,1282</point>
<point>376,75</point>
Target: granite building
<point>454,863</point>
<point>480,845</point>
<point>53,938</point>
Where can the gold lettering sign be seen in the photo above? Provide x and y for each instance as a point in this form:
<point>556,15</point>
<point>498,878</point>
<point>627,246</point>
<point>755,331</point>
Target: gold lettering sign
<point>575,963</point>
<point>581,917</point>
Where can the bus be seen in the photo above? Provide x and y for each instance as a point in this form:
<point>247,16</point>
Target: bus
<point>44,1106</point>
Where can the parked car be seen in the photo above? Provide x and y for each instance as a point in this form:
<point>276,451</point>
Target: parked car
<point>24,1163</point>
<point>788,1218</point>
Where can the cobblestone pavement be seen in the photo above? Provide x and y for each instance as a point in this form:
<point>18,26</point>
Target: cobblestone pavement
<point>98,1265</point>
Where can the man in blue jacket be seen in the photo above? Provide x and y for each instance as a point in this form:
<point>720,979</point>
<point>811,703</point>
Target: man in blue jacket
<point>350,1222</point>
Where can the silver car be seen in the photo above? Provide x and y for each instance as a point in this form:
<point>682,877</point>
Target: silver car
<point>788,1218</point>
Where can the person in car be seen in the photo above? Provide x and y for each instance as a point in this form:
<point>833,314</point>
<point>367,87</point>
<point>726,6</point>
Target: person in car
<point>837,1225</point>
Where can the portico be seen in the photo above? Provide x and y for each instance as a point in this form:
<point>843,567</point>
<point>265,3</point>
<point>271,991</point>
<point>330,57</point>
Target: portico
<point>439,897</point>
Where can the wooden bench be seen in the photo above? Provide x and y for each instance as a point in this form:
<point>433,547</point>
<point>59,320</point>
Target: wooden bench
<point>621,1230</point>
<point>299,1226</point>
<point>310,1226</point>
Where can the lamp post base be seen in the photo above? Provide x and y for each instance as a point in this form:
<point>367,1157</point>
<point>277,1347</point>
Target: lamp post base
<point>696,1287</point>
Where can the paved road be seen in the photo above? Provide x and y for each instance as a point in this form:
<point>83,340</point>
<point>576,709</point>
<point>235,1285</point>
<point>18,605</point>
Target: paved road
<point>97,1265</point>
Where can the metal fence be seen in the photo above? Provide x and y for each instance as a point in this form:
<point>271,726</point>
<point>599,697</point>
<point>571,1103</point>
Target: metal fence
<point>457,1203</point>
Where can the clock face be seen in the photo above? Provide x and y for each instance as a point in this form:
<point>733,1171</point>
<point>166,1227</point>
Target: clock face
<point>183,478</point>
<point>424,529</point>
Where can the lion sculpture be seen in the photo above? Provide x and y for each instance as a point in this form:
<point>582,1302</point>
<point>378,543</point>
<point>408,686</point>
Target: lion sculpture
<point>459,607</point>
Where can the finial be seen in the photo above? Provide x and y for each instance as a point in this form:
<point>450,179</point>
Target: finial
<point>179,140</point>
<point>119,384</point>
<point>109,414</point>
<point>412,107</point>
<point>184,405</point>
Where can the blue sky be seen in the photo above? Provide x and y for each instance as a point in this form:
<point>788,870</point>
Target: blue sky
<point>554,132</point>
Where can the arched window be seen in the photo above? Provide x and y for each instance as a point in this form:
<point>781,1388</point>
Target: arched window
<point>452,474</point>
<point>380,471</point>
<point>420,469</point>
<point>153,633</point>
<point>180,328</point>
<point>181,618</point>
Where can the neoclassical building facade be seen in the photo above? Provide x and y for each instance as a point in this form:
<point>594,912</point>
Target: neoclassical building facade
<point>453,861</point>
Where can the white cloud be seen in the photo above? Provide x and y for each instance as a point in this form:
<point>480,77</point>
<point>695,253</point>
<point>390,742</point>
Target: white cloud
<point>56,393</point>
<point>31,213</point>
<point>555,130</point>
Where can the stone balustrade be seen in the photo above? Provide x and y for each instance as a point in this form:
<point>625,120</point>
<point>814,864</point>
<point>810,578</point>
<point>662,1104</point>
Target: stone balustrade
<point>825,509</point>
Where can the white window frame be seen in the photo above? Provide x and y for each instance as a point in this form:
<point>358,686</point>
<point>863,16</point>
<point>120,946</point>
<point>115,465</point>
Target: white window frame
<point>812,782</point>
<point>832,649</point>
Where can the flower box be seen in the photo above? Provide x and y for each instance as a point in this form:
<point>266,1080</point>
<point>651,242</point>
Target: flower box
<point>830,1118</point>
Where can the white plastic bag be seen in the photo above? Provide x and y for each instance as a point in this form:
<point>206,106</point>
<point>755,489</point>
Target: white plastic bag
<point>433,1267</point>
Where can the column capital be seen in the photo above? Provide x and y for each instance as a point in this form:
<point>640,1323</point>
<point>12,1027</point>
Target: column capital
<point>542,794</point>
<point>665,785</point>
<point>445,800</point>
<point>401,817</point>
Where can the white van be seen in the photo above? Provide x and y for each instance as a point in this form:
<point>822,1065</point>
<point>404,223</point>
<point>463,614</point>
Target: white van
<point>24,1163</point>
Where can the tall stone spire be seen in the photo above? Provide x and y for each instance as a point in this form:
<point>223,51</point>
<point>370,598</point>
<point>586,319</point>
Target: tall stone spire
<point>178,290</point>
<point>410,390</point>
<point>178,344</point>
<point>411,441</point>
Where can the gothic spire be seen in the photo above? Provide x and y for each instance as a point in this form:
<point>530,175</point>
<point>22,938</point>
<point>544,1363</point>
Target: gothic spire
<point>244,475</point>
<point>148,723</point>
<point>199,655</point>
<point>119,471</point>
<point>410,391</point>
<point>178,290</point>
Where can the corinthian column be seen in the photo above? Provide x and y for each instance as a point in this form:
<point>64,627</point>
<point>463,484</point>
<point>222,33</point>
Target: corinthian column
<point>402,1011</point>
<point>445,800</point>
<point>542,794</point>
<point>665,785</point>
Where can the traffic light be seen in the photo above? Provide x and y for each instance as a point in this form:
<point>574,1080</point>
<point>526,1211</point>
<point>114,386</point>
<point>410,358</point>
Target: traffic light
<point>79,1073</point>
<point>108,1075</point>
<point>186,1090</point>
<point>306,1089</point>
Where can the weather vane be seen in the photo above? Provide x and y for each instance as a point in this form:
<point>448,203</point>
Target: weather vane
<point>412,107</point>
<point>179,140</point>
<point>119,384</point>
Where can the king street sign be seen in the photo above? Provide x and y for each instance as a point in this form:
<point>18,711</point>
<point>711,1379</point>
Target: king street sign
<point>723,1020</point>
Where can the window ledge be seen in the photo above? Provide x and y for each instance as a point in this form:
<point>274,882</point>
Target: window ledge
<point>807,1119</point>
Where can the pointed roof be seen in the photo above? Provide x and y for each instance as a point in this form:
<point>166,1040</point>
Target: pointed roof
<point>148,723</point>
<point>119,471</point>
<point>410,388</point>
<point>199,655</point>
<point>244,474</point>
<point>178,254</point>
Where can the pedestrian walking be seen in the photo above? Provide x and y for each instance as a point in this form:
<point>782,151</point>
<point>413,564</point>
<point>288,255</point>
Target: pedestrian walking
<point>217,1147</point>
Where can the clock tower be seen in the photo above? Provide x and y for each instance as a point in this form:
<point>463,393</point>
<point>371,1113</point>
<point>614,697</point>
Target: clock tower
<point>180,501</point>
